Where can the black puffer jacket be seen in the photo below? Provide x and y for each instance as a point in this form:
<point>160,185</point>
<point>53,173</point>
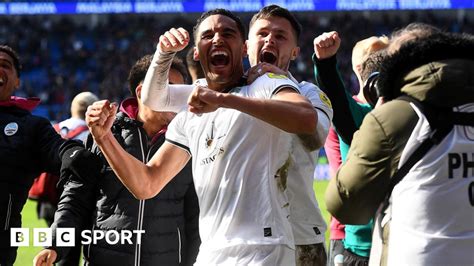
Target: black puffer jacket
<point>170,219</point>
<point>28,146</point>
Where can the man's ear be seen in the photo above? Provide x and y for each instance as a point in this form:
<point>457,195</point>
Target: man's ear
<point>138,91</point>
<point>295,52</point>
<point>195,54</point>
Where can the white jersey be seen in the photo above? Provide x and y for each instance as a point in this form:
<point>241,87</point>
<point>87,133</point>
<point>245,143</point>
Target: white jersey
<point>70,124</point>
<point>432,208</point>
<point>235,158</point>
<point>306,219</point>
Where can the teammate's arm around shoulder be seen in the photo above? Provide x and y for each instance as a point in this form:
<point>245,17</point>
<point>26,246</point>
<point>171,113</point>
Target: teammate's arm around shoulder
<point>144,181</point>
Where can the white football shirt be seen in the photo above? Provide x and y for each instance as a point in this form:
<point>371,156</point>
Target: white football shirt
<point>306,219</point>
<point>235,158</point>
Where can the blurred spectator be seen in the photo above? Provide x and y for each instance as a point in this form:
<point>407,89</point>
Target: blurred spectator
<point>92,53</point>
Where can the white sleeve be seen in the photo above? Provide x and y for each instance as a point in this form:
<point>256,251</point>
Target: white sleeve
<point>176,132</point>
<point>156,93</point>
<point>269,84</point>
<point>322,105</point>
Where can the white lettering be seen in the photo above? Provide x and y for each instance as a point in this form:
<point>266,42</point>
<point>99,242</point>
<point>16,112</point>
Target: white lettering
<point>126,235</point>
<point>32,8</point>
<point>139,236</point>
<point>86,234</point>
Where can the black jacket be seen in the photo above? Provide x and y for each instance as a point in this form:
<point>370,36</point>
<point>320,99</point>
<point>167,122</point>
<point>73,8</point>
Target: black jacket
<point>170,219</point>
<point>28,146</point>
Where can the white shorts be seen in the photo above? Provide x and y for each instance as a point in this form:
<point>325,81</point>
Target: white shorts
<point>271,255</point>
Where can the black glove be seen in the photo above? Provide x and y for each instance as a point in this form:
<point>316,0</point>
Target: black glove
<point>79,161</point>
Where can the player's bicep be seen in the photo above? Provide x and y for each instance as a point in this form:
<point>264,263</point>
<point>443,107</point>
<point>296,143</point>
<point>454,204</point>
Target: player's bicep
<point>289,94</point>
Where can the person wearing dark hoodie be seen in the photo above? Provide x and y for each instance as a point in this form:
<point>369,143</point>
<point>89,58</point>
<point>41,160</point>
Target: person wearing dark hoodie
<point>29,145</point>
<point>430,215</point>
<point>101,202</point>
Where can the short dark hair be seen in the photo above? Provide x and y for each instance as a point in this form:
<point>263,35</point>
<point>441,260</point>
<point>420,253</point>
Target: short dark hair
<point>278,11</point>
<point>16,59</point>
<point>138,72</point>
<point>223,12</point>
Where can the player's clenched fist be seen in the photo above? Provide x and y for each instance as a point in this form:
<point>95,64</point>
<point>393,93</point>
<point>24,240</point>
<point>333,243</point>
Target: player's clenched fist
<point>174,40</point>
<point>326,44</point>
<point>99,118</point>
<point>204,100</point>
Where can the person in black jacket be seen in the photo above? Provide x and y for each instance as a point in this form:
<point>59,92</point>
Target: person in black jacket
<point>28,146</point>
<point>101,202</point>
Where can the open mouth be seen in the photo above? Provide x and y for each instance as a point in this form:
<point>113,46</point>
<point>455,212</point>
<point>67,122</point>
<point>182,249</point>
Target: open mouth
<point>268,57</point>
<point>219,58</point>
<point>2,81</point>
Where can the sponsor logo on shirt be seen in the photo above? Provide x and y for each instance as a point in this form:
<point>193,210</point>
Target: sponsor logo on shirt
<point>324,98</point>
<point>276,76</point>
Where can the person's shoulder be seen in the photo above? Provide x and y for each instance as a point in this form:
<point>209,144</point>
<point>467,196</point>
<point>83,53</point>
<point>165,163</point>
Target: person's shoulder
<point>273,81</point>
<point>395,117</point>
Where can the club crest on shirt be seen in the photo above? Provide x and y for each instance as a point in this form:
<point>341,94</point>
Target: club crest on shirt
<point>10,129</point>
<point>276,76</point>
<point>324,98</point>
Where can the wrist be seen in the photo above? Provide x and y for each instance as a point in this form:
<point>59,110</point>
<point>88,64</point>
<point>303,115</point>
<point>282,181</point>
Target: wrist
<point>106,138</point>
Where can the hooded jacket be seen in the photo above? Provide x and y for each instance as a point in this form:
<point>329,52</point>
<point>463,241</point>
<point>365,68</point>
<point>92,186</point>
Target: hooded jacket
<point>437,71</point>
<point>362,182</point>
<point>170,219</point>
<point>28,146</point>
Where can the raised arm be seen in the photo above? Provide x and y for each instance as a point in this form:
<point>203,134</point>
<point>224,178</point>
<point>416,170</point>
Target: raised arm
<point>144,181</point>
<point>329,80</point>
<point>156,93</point>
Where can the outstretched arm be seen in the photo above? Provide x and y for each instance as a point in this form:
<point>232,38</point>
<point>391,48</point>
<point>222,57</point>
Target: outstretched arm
<point>156,93</point>
<point>142,180</point>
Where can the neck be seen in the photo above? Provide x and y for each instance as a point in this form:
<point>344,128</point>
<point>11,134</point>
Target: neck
<point>152,121</point>
<point>223,86</point>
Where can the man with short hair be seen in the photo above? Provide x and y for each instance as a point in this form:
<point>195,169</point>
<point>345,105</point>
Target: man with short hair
<point>236,134</point>
<point>170,220</point>
<point>28,146</point>
<point>272,45</point>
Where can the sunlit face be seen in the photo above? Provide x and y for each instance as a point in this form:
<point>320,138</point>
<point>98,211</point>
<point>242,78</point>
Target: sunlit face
<point>9,80</point>
<point>220,49</point>
<point>272,40</point>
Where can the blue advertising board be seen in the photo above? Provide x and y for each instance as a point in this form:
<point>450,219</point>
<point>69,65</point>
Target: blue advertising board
<point>192,6</point>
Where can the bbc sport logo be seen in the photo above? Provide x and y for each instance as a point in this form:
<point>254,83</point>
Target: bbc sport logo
<point>66,237</point>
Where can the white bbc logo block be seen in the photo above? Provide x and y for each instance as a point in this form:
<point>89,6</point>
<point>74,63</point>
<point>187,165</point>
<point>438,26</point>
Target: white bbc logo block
<point>19,237</point>
<point>42,237</point>
<point>65,237</point>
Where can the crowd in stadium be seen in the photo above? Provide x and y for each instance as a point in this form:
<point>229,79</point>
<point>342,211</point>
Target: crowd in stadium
<point>213,163</point>
<point>63,56</point>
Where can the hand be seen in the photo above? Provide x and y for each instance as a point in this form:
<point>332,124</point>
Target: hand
<point>174,40</point>
<point>99,118</point>
<point>326,44</point>
<point>204,100</point>
<point>262,68</point>
<point>46,257</point>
